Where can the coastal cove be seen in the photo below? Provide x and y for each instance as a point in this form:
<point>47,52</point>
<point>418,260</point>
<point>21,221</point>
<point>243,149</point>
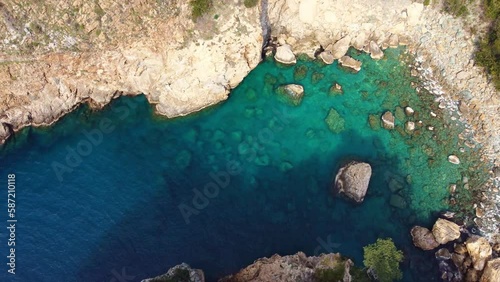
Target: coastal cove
<point>132,199</point>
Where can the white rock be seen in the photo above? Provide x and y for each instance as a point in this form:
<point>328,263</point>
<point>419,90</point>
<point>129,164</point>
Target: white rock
<point>453,159</point>
<point>349,62</point>
<point>410,126</point>
<point>339,49</point>
<point>375,52</point>
<point>285,55</point>
<point>409,111</point>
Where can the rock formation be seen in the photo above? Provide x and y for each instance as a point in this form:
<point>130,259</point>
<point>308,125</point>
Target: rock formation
<point>352,180</point>
<point>181,272</point>
<point>445,231</point>
<point>285,55</point>
<point>480,251</point>
<point>298,267</point>
<point>349,62</point>
<point>491,271</point>
<point>423,238</point>
<point>294,92</point>
<point>388,120</point>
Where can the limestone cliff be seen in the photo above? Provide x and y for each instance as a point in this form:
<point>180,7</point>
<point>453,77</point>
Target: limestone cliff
<point>55,55</point>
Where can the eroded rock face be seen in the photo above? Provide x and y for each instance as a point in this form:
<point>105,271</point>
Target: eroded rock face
<point>480,251</point>
<point>327,57</point>
<point>179,273</point>
<point>423,238</point>
<point>352,180</point>
<point>339,49</point>
<point>491,271</point>
<point>445,231</point>
<point>375,52</point>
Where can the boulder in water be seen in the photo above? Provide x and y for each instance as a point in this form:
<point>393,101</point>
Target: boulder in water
<point>327,57</point>
<point>479,250</point>
<point>352,180</point>
<point>491,271</point>
<point>375,52</point>
<point>294,92</point>
<point>388,120</point>
<point>423,238</point>
<point>453,159</point>
<point>445,231</point>
<point>349,62</point>
<point>335,122</point>
<point>285,55</point>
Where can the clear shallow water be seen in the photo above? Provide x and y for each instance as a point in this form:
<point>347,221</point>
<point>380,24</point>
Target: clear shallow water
<point>266,164</point>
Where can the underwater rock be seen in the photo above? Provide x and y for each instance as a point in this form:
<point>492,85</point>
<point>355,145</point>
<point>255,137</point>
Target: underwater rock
<point>423,238</point>
<point>300,72</point>
<point>374,122</point>
<point>293,91</point>
<point>445,231</point>
<point>480,251</point>
<point>397,201</point>
<point>181,272</point>
<point>453,159</point>
<point>183,159</point>
<point>375,52</point>
<point>285,55</point>
<point>336,89</point>
<point>335,122</point>
<point>491,271</point>
<point>327,57</point>
<point>349,62</point>
<point>400,114</point>
<point>388,120</point>
<point>353,179</point>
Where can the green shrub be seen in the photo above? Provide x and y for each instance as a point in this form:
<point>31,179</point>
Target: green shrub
<point>200,7</point>
<point>427,2</point>
<point>457,8</point>
<point>250,3</point>
<point>330,274</point>
<point>488,54</point>
<point>384,258</point>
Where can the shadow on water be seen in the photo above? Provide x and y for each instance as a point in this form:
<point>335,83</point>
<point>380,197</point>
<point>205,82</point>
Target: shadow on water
<point>258,213</point>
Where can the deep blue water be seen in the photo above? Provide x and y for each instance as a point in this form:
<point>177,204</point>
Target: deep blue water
<point>129,203</point>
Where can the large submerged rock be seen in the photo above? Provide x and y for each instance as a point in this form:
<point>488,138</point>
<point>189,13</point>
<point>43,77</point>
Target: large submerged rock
<point>423,238</point>
<point>352,180</point>
<point>294,92</point>
<point>445,231</point>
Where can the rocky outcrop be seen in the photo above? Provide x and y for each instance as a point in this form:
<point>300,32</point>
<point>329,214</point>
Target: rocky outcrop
<point>479,250</point>
<point>423,238</point>
<point>296,267</point>
<point>182,272</point>
<point>445,231</point>
<point>491,271</point>
<point>105,49</point>
<point>327,57</point>
<point>351,63</point>
<point>388,120</point>
<point>339,49</point>
<point>375,52</point>
<point>352,180</point>
<point>285,55</point>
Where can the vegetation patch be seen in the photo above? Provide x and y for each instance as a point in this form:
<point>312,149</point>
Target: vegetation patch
<point>384,258</point>
<point>457,8</point>
<point>488,54</point>
<point>200,7</point>
<point>250,3</point>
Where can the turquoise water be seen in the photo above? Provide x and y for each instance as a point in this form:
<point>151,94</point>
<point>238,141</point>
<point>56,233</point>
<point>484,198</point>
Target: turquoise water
<point>218,189</point>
